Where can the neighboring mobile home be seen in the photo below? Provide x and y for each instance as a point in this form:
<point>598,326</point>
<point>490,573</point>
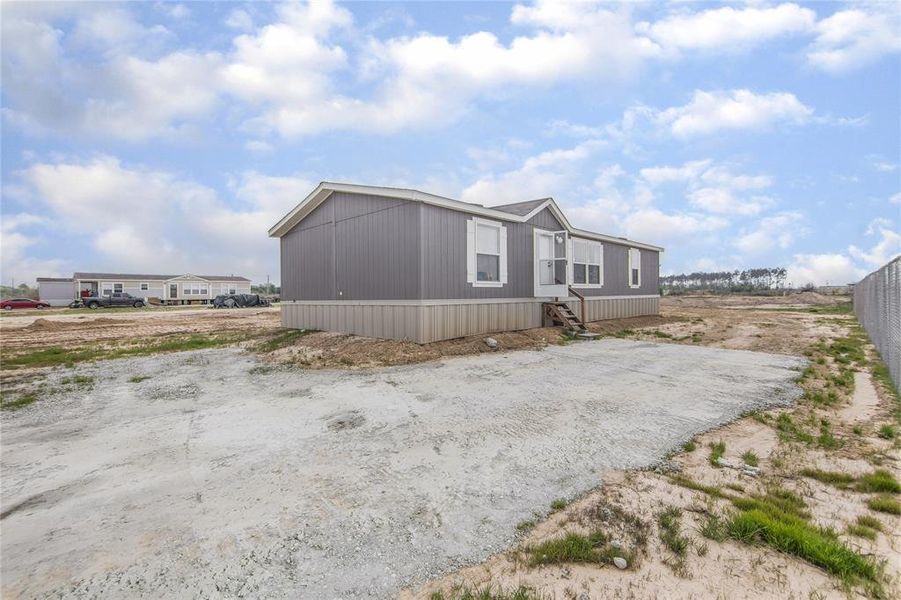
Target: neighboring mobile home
<point>403,264</point>
<point>169,289</point>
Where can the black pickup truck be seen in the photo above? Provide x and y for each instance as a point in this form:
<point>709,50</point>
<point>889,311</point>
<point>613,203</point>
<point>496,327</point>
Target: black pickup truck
<point>113,300</point>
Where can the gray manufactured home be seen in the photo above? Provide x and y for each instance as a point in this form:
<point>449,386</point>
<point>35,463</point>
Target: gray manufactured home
<point>403,264</point>
<point>168,289</point>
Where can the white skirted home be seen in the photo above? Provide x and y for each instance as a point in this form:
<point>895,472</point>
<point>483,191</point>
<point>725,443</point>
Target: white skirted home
<point>404,264</point>
<point>168,289</point>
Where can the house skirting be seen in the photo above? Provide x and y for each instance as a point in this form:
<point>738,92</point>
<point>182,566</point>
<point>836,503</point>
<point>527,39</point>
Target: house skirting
<point>424,321</point>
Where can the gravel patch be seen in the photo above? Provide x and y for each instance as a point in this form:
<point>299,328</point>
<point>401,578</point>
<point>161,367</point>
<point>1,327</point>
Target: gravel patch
<point>207,480</point>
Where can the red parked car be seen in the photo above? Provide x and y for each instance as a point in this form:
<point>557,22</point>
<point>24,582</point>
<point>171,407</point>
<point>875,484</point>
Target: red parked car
<point>22,303</point>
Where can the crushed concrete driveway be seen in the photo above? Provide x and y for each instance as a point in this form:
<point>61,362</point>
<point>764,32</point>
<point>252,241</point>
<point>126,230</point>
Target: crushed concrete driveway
<point>218,477</point>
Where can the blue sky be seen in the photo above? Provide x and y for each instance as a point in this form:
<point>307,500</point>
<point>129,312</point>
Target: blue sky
<point>168,137</point>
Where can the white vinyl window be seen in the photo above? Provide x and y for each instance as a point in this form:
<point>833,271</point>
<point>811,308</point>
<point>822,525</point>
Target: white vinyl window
<point>634,267</point>
<point>588,263</point>
<point>194,289</point>
<point>106,289</point>
<point>486,253</point>
<point>117,288</point>
<point>145,287</point>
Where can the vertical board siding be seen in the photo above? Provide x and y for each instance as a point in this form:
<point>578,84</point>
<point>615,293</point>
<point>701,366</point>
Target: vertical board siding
<point>425,323</point>
<point>546,220</point>
<point>353,247</point>
<point>376,248</point>
<point>616,273</point>
<point>444,257</point>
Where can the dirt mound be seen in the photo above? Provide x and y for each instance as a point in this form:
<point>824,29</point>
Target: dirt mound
<point>45,325</point>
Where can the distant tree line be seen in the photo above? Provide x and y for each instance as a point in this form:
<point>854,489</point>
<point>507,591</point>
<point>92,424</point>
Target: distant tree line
<point>20,291</point>
<point>264,288</point>
<point>749,280</point>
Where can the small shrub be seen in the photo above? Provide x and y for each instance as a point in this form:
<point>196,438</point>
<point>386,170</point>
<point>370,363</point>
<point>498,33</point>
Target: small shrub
<point>669,521</point>
<point>138,378</point>
<point>879,481</point>
<point>716,452</point>
<point>689,446</point>
<point>694,485</point>
<point>885,504</point>
<point>862,531</point>
<point>572,548</point>
<point>558,504</point>
<point>750,458</point>
<point>835,478</point>
<point>887,432</point>
<point>871,522</point>
<point>714,529</point>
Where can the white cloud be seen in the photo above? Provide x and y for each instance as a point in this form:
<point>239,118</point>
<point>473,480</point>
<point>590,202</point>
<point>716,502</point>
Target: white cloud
<point>539,176</point>
<point>654,224</point>
<point>895,198</point>
<point>854,38</point>
<point>154,221</point>
<point>776,231</point>
<point>822,269</point>
<point>724,201</point>
<point>728,28</point>
<point>885,249</point>
<point>239,19</point>
<point>710,112</point>
<point>16,247</point>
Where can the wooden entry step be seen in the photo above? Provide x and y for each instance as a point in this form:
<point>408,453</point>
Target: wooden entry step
<point>560,314</point>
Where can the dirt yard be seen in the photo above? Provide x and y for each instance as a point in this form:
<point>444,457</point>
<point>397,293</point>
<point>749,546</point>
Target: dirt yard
<point>234,429</point>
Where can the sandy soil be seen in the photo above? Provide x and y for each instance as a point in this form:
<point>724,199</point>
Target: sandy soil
<point>221,476</point>
<point>727,569</point>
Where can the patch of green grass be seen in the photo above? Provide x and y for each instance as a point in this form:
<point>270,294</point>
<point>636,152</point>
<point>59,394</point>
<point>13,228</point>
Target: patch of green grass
<point>690,446</point>
<point>736,487</point>
<point>559,504</point>
<point>623,333</point>
<point>885,504</point>
<point>716,452</point>
<point>346,360</point>
<point>871,522</point>
<point>20,401</point>
<point>78,380</point>
<point>138,378</point>
<point>56,356</point>
<point>486,593</point>
<point>768,523</point>
<point>685,482</point>
<point>662,334</point>
<point>714,528</point>
<point>572,548</point>
<point>791,431</point>
<point>879,481</point>
<point>887,432</point>
<point>670,523</point>
<point>862,531</point>
<point>526,524</point>
<point>282,339</point>
<point>834,478</point>
<point>750,458</point>
<point>826,439</point>
<point>857,429</point>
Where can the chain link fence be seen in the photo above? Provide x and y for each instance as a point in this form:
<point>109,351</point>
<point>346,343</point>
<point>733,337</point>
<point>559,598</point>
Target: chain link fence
<point>877,304</point>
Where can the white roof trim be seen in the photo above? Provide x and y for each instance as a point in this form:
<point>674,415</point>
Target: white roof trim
<point>325,189</point>
<point>188,276</point>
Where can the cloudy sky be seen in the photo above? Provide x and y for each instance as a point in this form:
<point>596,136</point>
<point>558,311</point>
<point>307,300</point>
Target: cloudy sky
<point>168,137</point>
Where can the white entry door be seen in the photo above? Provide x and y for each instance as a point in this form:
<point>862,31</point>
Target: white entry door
<point>551,263</point>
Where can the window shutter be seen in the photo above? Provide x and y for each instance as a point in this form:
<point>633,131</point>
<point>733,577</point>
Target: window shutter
<point>471,251</point>
<point>601,280</point>
<point>503,258</point>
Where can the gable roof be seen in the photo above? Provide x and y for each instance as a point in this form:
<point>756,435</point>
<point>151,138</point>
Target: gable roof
<point>145,277</point>
<point>519,212</point>
<point>521,208</point>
